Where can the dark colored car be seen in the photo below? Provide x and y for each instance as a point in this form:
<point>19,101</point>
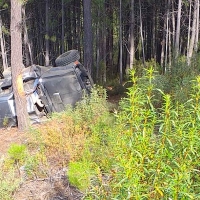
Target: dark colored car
<point>48,89</point>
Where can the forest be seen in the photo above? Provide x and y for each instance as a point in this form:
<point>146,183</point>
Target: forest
<point>145,144</point>
<point>122,33</point>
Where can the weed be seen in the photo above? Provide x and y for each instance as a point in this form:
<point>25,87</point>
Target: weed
<point>80,174</point>
<point>5,122</point>
<point>148,153</point>
<point>17,153</point>
<point>8,184</point>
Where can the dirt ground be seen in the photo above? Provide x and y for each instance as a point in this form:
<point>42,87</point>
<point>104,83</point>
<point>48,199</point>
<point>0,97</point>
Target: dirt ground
<point>54,186</point>
<point>9,136</point>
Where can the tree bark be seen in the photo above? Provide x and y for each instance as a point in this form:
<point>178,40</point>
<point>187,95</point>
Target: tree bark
<point>173,24</point>
<point>98,35</point>
<point>178,26</point>
<point>167,34</point>
<point>27,45</point>
<point>3,48</point>
<point>63,29</point>
<point>193,34</point>
<point>141,34</point>
<point>120,44</point>
<point>197,28</point>
<point>17,65</point>
<point>189,29</point>
<point>87,23</point>
<point>47,33</point>
<point>132,39</point>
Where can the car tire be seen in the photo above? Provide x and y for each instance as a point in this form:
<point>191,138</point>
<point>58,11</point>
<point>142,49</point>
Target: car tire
<point>67,58</point>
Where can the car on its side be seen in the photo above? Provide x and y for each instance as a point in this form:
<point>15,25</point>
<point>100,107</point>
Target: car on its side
<point>48,89</point>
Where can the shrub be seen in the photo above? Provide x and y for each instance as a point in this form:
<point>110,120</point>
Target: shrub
<point>151,153</point>
<point>17,153</point>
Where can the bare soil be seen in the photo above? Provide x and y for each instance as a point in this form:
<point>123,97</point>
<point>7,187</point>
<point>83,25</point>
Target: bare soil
<point>9,136</point>
<point>54,186</point>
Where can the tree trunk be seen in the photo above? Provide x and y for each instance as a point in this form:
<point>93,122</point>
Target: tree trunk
<point>189,30</point>
<point>17,65</point>
<point>98,46</point>
<point>3,48</point>
<point>197,29</point>
<point>47,33</point>
<point>88,48</point>
<point>132,39</point>
<point>40,35</point>
<point>27,45</point>
<point>163,42</point>
<point>79,26</point>
<point>120,44</point>
<point>193,34</point>
<point>141,34</point>
<point>178,26</point>
<point>63,29</point>
<point>173,25</point>
<point>109,35</point>
<point>167,34</point>
<point>154,31</point>
<point>104,50</point>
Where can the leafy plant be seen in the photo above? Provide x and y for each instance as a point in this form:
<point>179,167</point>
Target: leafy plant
<point>149,152</point>
<point>8,184</point>
<point>17,153</point>
<point>147,149</point>
<point>80,174</point>
<point>5,121</point>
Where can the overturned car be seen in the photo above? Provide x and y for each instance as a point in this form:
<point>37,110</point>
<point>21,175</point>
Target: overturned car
<point>48,89</point>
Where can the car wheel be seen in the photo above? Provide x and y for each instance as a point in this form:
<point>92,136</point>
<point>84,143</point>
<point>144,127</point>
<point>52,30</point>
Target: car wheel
<point>67,58</point>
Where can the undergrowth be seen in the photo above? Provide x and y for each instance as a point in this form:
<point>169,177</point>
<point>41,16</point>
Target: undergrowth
<point>8,183</point>
<point>143,151</point>
<point>146,149</point>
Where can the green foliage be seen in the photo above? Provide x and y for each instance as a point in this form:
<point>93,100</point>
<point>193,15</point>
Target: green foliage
<point>31,166</point>
<point>148,149</point>
<point>176,81</point>
<point>19,156</point>
<point>139,67</point>
<point>5,30</point>
<point>8,184</point>
<point>4,4</point>
<point>145,152</point>
<point>80,174</point>
<point>53,38</point>
<point>17,153</point>
<point>5,121</point>
<point>91,107</point>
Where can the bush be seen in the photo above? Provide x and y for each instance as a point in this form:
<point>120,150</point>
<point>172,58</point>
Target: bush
<point>148,153</point>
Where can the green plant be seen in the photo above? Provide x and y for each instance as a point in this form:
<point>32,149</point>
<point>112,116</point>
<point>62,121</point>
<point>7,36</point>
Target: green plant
<point>17,153</point>
<point>5,121</point>
<point>148,149</point>
<point>8,184</point>
<point>154,151</point>
<point>80,174</point>
<point>31,166</point>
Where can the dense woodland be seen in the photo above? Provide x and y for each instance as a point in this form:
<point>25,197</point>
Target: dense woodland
<point>123,32</point>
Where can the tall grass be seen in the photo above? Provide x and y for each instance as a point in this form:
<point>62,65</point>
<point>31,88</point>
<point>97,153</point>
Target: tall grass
<point>145,152</point>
